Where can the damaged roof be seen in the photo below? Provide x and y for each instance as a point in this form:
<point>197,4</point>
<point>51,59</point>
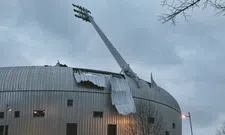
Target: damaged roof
<point>63,78</point>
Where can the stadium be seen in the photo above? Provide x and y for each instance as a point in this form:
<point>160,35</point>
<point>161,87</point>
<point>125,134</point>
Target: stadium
<point>61,100</point>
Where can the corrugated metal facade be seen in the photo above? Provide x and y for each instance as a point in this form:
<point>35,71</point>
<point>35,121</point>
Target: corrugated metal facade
<point>26,89</point>
<point>36,78</point>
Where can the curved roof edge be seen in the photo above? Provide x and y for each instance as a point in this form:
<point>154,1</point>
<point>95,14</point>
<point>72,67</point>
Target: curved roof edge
<point>74,69</point>
<point>92,71</point>
<point>172,97</point>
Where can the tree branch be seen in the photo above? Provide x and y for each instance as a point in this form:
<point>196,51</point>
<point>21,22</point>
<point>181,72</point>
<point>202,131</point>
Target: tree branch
<point>139,122</point>
<point>221,131</point>
<point>177,9</point>
<point>180,7</point>
<point>219,6</point>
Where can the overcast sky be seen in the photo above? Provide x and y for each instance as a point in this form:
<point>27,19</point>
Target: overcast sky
<point>186,60</point>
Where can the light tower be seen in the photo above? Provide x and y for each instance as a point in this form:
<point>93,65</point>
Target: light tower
<point>84,14</point>
<point>188,116</point>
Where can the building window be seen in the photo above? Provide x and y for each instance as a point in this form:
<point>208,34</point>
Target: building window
<point>71,129</point>
<point>17,114</point>
<point>6,129</point>
<point>1,115</point>
<point>69,102</point>
<point>151,120</point>
<point>39,113</point>
<point>111,129</point>
<point>174,125</point>
<point>98,114</point>
<point>2,128</point>
<point>167,133</point>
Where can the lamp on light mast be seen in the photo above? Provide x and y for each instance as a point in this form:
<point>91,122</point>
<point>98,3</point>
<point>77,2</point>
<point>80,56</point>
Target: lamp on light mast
<point>82,13</point>
<point>188,116</point>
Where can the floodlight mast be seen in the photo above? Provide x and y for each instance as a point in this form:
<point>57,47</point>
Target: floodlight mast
<point>84,14</point>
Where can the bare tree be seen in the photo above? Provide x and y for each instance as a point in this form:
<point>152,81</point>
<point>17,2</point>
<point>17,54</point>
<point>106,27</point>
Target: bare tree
<point>180,7</point>
<point>146,121</point>
<point>221,130</point>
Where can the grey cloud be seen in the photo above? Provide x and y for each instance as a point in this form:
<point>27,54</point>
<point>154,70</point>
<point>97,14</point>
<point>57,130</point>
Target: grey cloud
<point>10,51</point>
<point>200,117</point>
<point>187,59</point>
<point>207,99</point>
<point>63,25</point>
<point>52,16</point>
<point>56,18</point>
<point>136,38</point>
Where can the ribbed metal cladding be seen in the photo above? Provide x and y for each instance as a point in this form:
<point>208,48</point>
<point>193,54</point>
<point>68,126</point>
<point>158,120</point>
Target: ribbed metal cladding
<point>57,113</point>
<point>26,89</point>
<point>36,78</point>
<point>147,92</point>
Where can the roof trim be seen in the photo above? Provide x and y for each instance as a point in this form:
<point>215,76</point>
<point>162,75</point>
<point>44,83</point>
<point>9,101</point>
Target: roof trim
<point>74,69</point>
<point>97,71</point>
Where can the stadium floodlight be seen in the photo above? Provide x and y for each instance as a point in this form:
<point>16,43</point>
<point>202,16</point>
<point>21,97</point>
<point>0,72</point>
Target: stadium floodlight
<point>81,13</point>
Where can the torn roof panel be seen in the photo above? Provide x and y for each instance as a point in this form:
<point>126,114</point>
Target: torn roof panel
<point>119,84</point>
<point>124,110</point>
<point>97,79</point>
<point>99,72</point>
<point>121,96</point>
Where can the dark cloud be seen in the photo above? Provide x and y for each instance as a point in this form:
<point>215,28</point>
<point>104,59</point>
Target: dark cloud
<point>187,60</point>
<point>55,17</point>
